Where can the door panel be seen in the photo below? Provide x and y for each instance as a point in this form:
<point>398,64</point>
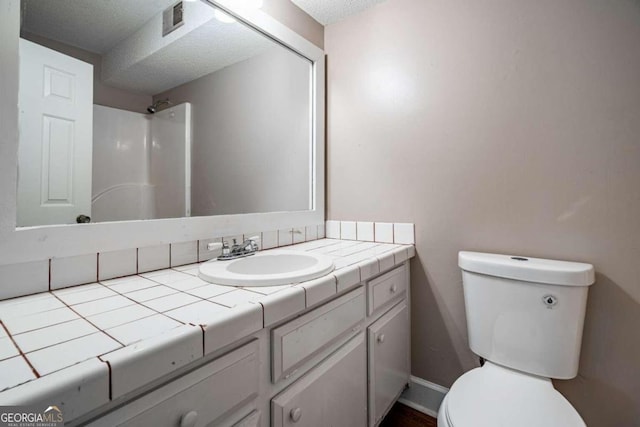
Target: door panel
<point>56,137</point>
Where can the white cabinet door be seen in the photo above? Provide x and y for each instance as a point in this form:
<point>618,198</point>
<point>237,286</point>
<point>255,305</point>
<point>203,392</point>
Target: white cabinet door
<point>331,395</point>
<point>56,137</point>
<point>388,341</point>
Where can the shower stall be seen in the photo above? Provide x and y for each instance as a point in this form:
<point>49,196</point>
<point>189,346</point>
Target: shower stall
<point>141,164</point>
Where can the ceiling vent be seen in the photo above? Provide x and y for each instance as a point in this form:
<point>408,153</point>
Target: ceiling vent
<point>172,18</point>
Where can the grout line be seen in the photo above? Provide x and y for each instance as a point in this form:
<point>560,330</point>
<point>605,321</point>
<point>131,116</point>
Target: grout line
<point>137,303</point>
<point>110,378</point>
<point>203,338</point>
<point>263,309</point>
<point>58,342</point>
<point>24,356</point>
<point>87,320</point>
<point>306,303</point>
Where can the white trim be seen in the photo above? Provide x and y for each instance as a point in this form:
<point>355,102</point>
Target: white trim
<point>37,243</point>
<point>423,396</point>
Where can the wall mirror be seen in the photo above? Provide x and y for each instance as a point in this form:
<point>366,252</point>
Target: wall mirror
<point>139,110</point>
<point>236,149</point>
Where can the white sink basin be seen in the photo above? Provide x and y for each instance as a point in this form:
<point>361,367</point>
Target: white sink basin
<point>270,268</point>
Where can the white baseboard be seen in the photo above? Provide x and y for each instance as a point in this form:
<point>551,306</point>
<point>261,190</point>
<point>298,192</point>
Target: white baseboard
<point>423,396</point>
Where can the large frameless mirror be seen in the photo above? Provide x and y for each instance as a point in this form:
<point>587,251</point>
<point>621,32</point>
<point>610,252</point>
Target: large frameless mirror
<point>136,110</point>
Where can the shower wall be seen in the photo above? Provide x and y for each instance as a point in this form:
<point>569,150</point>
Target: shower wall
<point>170,166</point>
<point>141,164</point>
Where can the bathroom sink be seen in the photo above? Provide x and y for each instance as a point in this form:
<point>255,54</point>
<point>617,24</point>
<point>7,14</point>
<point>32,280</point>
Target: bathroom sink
<point>269,268</point>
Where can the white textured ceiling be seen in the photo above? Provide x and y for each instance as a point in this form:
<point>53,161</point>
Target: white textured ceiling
<point>208,48</point>
<point>103,26</point>
<point>330,11</point>
<point>94,25</point>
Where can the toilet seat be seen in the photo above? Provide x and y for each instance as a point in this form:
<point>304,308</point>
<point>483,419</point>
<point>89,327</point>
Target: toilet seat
<point>497,396</point>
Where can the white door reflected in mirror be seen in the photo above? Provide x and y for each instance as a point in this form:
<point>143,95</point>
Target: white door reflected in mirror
<point>56,137</point>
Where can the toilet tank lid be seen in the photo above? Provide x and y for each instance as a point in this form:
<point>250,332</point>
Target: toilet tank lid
<point>528,269</point>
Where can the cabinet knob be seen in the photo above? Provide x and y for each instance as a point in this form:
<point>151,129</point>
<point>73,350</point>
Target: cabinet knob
<point>381,338</point>
<point>393,289</point>
<point>189,419</point>
<point>295,414</point>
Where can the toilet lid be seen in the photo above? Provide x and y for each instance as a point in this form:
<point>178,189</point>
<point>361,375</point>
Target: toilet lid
<point>496,396</point>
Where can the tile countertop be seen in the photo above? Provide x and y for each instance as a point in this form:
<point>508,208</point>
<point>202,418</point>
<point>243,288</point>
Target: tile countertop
<point>108,338</point>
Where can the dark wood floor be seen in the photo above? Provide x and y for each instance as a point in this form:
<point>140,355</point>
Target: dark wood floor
<point>403,416</point>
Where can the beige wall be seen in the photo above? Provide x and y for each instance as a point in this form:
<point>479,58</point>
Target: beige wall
<point>251,129</point>
<point>295,18</point>
<point>501,126</point>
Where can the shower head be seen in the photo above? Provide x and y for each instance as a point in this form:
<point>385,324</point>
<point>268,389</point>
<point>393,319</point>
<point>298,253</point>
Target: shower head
<point>154,107</point>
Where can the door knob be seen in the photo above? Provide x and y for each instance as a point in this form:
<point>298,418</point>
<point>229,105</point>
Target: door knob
<point>381,338</point>
<point>393,289</point>
<point>189,419</point>
<point>82,219</point>
<point>295,414</point>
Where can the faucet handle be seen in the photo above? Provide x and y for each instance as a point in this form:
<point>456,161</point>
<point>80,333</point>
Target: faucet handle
<point>226,250</point>
<point>214,246</point>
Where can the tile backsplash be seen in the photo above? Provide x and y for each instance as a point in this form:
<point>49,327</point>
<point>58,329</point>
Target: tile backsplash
<point>381,232</point>
<point>57,273</point>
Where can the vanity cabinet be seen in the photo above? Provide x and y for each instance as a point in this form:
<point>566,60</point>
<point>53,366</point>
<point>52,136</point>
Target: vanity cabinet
<point>331,394</point>
<point>343,363</point>
<point>368,372</point>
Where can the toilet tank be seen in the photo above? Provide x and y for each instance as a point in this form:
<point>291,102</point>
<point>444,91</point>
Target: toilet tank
<point>526,313</point>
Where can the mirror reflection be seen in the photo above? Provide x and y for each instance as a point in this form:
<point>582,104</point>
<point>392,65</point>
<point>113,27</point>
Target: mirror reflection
<point>157,109</point>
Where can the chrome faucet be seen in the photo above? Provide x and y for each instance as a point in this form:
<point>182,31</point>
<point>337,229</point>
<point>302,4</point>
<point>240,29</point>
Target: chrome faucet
<point>248,247</point>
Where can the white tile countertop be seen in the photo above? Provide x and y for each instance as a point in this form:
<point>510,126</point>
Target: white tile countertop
<point>94,343</point>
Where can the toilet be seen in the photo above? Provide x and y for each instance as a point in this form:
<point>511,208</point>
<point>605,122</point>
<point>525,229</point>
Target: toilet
<point>525,319</point>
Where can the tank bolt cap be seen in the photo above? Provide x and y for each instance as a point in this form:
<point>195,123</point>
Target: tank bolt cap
<point>550,300</point>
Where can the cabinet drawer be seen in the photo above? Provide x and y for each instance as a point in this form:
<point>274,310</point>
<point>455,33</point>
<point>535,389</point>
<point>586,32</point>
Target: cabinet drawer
<point>251,420</point>
<point>386,288</point>
<point>204,395</point>
<point>331,394</point>
<point>297,341</point>
<point>388,341</point>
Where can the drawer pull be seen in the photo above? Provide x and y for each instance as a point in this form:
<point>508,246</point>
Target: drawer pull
<point>394,288</point>
<point>381,338</point>
<point>295,414</point>
<point>189,419</point>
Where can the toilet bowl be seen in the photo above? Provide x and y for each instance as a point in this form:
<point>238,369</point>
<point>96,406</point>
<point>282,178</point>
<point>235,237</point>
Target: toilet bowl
<point>495,396</point>
<point>524,318</point>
